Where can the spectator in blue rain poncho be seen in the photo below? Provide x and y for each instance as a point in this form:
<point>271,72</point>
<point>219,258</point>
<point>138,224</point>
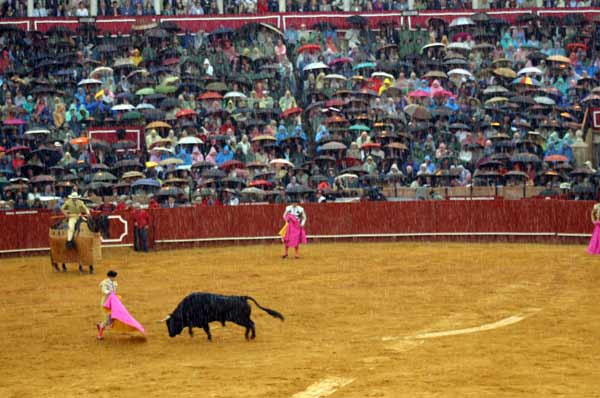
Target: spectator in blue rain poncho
<point>281,134</point>
<point>185,156</point>
<point>553,145</point>
<point>299,133</point>
<point>322,133</point>
<point>224,155</point>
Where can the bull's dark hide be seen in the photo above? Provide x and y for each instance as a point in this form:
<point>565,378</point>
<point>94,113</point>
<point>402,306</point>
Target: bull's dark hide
<point>199,309</point>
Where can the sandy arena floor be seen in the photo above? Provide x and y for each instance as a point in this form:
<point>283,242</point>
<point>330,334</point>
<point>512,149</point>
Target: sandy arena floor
<point>525,322</point>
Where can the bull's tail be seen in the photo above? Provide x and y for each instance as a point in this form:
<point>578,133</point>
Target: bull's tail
<point>269,311</point>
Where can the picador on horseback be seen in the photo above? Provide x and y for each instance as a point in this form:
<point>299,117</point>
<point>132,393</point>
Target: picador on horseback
<point>73,208</point>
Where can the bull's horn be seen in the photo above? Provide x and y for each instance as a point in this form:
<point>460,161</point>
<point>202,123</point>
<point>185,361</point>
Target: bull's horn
<point>165,319</point>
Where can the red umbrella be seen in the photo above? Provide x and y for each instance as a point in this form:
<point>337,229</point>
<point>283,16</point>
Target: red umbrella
<point>342,60</point>
<point>309,47</point>
<point>170,61</point>
<point>577,46</point>
<point>418,94</point>
<point>443,93</point>
<point>371,145</point>
<point>210,95</point>
<point>185,113</point>
<point>14,122</point>
<point>556,158</point>
<point>260,183</point>
<point>334,103</point>
<point>18,148</point>
<point>232,164</point>
<point>2,149</point>
<point>290,112</point>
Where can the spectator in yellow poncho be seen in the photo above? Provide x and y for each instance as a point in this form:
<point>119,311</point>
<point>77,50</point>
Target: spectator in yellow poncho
<point>136,58</point>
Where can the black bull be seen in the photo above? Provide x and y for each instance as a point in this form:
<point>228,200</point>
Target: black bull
<point>199,309</point>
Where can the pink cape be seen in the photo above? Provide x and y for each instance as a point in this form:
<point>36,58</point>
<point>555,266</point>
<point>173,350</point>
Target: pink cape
<point>594,246</point>
<point>118,313</point>
<point>295,234</point>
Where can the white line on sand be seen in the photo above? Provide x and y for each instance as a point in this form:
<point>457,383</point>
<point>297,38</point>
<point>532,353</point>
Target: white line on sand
<point>488,326</point>
<point>323,388</point>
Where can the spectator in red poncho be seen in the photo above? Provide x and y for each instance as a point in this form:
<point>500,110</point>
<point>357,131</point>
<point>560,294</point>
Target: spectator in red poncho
<point>141,224</point>
<point>262,6</point>
<point>18,161</point>
<point>121,206</point>
<point>4,62</point>
<point>153,204</point>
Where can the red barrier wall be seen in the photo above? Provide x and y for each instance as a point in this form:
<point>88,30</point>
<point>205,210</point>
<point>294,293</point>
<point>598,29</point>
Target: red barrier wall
<point>547,220</point>
<point>194,23</point>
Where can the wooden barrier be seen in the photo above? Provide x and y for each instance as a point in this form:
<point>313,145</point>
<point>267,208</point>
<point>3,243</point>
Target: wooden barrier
<point>535,219</point>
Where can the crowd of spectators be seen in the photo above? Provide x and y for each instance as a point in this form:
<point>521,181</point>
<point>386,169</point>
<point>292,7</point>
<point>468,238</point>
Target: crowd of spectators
<point>257,114</point>
<point>81,8</point>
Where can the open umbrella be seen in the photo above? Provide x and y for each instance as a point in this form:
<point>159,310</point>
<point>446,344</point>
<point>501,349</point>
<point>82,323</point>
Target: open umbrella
<point>210,95</point>
<point>190,140</point>
<point>103,176</point>
<point>85,82</point>
<point>281,163</point>
<point>185,113</point>
<point>556,158</point>
<point>145,91</point>
<point>461,22</point>
<point>170,161</point>
<point>315,66</point>
<point>158,125</point>
<point>290,112</point>
<point>505,72</point>
<point>232,164</point>
<point>309,48</point>
<point>122,107</point>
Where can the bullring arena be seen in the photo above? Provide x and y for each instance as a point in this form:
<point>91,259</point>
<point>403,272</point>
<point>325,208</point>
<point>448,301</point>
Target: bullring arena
<point>358,315</point>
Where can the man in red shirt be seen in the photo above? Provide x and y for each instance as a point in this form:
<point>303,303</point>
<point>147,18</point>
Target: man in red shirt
<point>141,223</point>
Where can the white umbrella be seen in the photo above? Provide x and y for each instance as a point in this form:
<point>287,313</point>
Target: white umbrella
<point>382,74</point>
<point>334,76</point>
<point>532,70</point>
<point>459,46</point>
<point>89,81</point>
<point>315,66</point>
<point>544,100</point>
<point>144,105</point>
<point>162,149</point>
<point>190,140</point>
<point>461,72</point>
<point>40,131</point>
<point>234,94</point>
<point>495,90</point>
<point>281,162</point>
<point>432,45</point>
<point>122,107</point>
<point>461,21</point>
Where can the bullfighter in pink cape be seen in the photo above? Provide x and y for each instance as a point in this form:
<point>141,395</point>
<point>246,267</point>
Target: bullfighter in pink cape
<point>295,217</point>
<point>116,315</point>
<point>594,246</point>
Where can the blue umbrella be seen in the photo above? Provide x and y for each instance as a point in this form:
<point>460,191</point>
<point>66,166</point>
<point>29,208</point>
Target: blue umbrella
<point>364,65</point>
<point>148,182</point>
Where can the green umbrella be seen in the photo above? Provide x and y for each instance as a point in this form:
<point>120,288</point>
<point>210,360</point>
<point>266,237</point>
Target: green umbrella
<point>216,86</point>
<point>145,91</point>
<point>134,115</point>
<point>360,127</point>
<point>165,89</point>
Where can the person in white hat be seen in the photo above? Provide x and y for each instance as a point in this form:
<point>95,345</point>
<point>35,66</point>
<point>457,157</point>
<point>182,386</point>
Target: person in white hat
<point>72,209</point>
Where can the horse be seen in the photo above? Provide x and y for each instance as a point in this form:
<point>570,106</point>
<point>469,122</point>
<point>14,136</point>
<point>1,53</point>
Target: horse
<point>86,248</point>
